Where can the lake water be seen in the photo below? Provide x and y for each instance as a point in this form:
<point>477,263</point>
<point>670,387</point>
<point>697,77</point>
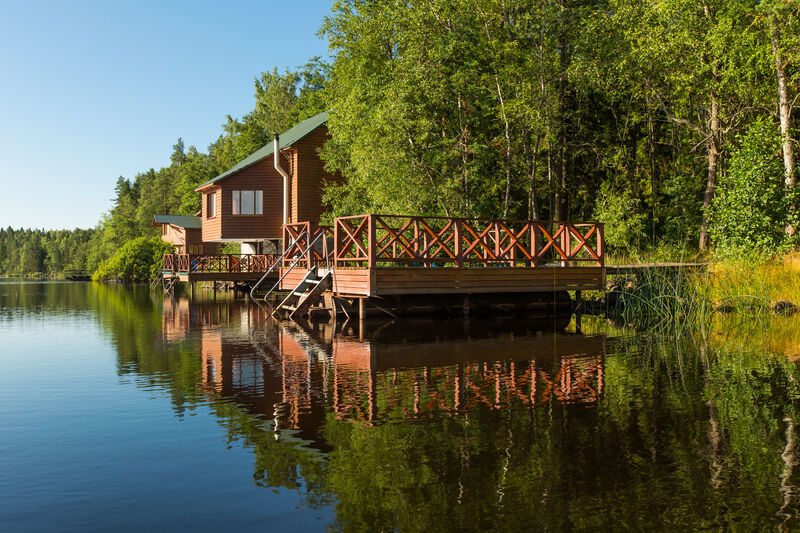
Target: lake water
<point>123,411</point>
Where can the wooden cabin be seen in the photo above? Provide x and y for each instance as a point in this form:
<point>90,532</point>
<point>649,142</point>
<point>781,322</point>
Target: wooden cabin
<point>185,233</point>
<point>246,203</point>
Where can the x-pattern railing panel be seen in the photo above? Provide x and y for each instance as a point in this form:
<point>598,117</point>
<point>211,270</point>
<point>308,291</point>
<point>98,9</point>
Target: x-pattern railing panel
<point>298,236</point>
<point>380,240</point>
<point>222,263</point>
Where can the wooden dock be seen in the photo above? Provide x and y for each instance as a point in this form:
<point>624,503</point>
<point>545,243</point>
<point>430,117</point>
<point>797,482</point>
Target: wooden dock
<point>390,263</point>
<point>639,268</point>
<point>381,259</point>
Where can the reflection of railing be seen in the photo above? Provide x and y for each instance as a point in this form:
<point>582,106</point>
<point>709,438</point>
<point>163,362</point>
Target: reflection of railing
<point>298,236</point>
<point>192,263</point>
<point>465,387</point>
<point>375,240</point>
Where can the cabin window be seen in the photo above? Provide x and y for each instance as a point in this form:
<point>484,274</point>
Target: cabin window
<point>248,202</point>
<point>211,205</point>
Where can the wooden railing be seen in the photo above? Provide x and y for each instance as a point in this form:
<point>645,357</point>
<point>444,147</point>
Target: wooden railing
<point>227,263</point>
<point>297,238</point>
<point>391,240</point>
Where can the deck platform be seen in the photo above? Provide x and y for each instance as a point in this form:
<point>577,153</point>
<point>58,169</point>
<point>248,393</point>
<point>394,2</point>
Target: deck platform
<point>189,268</point>
<point>380,256</point>
<point>388,258</point>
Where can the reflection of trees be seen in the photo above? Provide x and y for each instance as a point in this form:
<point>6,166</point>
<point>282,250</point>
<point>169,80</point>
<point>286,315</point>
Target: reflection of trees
<point>671,438</point>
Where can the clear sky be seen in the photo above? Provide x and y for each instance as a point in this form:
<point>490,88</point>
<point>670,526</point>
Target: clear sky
<point>90,91</point>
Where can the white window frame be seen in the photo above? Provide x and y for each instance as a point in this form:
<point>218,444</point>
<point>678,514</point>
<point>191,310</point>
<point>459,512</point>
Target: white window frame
<point>211,205</point>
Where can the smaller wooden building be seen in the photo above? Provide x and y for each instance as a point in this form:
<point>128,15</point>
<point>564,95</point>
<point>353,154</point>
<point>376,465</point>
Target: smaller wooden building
<point>185,233</point>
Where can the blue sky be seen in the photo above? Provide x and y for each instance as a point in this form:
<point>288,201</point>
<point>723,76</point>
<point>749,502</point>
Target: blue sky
<point>90,91</point>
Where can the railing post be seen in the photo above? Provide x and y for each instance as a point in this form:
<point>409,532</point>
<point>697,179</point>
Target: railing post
<point>459,245</point>
<point>335,243</point>
<point>535,244</point>
<point>309,240</point>
<point>416,239</point>
<point>496,240</point>
<point>600,243</point>
<point>563,243</point>
<point>371,241</point>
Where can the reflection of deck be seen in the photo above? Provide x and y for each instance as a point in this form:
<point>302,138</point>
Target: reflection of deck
<point>456,375</point>
<point>297,375</point>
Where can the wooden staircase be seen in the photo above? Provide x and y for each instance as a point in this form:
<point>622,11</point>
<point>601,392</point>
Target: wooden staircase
<point>307,293</point>
<point>169,284</point>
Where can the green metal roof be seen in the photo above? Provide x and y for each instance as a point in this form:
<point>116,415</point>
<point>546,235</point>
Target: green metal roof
<point>182,221</point>
<point>287,138</point>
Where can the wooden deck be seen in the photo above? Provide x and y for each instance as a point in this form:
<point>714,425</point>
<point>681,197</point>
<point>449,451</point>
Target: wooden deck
<point>381,255</point>
<point>217,267</point>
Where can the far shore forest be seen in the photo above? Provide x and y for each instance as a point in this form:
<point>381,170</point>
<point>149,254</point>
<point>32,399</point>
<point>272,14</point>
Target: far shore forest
<point>670,121</point>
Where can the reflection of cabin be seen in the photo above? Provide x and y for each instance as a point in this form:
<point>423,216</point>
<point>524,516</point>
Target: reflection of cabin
<point>246,204</point>
<point>185,233</point>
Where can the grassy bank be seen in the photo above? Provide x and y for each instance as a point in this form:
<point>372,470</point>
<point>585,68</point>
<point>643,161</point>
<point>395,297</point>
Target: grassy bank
<point>669,296</point>
<point>753,285</point>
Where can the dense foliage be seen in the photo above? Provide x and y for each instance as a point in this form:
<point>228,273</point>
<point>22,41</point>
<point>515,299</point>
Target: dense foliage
<point>137,260</point>
<point>628,111</point>
<point>35,251</point>
<point>752,207</point>
<point>555,110</point>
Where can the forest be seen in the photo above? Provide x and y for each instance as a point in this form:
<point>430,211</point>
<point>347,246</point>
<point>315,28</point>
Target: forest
<point>671,121</point>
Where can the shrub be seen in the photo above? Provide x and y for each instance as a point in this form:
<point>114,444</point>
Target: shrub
<point>137,260</point>
<point>751,209</point>
<point>622,216</point>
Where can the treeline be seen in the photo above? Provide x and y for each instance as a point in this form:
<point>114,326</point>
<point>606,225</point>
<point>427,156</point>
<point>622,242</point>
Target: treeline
<point>32,251</point>
<point>669,120</point>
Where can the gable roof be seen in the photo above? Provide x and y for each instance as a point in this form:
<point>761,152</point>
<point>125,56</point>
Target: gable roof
<point>287,138</point>
<point>182,221</point>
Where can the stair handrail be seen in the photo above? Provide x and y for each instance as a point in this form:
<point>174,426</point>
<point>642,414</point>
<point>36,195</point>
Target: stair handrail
<point>299,258</point>
<point>276,263</point>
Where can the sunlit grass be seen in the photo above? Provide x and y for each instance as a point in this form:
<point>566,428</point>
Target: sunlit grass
<point>753,286</point>
<point>678,297</point>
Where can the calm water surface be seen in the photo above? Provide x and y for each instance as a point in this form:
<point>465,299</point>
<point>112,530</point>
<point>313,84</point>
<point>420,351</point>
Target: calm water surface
<point>123,411</point>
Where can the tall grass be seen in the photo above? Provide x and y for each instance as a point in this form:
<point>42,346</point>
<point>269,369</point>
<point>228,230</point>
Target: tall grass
<point>679,297</point>
<point>660,297</point>
<point>753,286</point>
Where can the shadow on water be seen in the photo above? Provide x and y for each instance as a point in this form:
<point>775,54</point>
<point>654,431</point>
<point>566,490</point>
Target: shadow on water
<point>519,423</point>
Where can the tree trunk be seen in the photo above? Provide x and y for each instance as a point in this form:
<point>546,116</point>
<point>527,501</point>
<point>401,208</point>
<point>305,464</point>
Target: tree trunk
<point>530,164</point>
<point>784,106</point>
<point>561,186</point>
<point>651,142</point>
<point>508,146</point>
<point>551,192</point>
<point>713,163</point>
<point>784,112</point>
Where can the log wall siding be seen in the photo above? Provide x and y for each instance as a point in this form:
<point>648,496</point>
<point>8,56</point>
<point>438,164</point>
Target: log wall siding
<point>311,176</point>
<point>259,176</point>
<point>212,227</point>
<point>173,235</point>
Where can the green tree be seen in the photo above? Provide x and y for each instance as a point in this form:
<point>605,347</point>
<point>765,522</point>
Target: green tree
<point>751,209</point>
